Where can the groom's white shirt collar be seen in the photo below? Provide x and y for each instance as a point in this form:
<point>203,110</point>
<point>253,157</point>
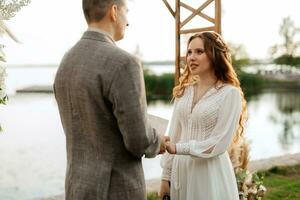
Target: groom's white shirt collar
<point>102,32</point>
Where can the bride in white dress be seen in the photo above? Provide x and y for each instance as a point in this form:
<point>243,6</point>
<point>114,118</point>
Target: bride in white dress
<point>209,114</point>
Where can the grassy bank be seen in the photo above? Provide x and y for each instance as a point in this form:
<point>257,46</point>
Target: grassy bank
<point>282,183</point>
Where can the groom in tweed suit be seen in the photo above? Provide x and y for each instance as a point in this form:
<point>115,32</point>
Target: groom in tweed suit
<point>100,93</point>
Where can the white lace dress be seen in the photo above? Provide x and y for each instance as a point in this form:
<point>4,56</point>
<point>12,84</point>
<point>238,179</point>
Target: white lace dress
<point>210,125</point>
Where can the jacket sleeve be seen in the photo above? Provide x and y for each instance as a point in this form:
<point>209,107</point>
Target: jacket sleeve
<point>127,95</point>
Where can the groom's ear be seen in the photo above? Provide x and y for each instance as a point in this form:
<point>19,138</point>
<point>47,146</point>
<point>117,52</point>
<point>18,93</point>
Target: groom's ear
<point>113,12</point>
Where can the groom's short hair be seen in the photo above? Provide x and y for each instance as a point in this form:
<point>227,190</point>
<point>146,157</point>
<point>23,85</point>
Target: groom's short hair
<point>95,10</point>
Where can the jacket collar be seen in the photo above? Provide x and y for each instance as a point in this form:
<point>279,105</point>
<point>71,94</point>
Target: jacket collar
<point>97,34</point>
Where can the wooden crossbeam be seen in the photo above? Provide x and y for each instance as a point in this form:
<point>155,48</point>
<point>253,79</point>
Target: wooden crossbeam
<point>196,30</point>
<point>169,7</point>
<point>208,18</point>
<point>204,5</point>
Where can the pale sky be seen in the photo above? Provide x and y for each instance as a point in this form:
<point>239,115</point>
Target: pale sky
<point>48,28</point>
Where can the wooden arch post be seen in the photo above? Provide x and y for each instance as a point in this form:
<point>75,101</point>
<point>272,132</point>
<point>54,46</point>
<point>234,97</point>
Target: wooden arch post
<point>179,30</point>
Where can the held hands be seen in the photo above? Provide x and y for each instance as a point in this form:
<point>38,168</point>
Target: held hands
<point>165,144</point>
<point>163,141</point>
<point>171,148</point>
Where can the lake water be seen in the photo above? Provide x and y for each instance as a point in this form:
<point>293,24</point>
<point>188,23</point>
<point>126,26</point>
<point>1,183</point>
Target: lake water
<point>32,146</point>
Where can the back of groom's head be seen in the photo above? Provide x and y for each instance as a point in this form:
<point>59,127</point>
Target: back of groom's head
<point>95,10</point>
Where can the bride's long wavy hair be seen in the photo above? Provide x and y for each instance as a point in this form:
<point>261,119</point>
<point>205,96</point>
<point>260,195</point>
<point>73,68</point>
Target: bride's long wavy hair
<point>218,53</point>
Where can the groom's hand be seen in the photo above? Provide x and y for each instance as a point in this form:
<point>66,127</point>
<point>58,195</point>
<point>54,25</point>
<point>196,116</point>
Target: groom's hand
<point>163,141</point>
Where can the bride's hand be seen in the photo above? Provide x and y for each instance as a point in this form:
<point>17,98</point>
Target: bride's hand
<point>164,189</point>
<point>171,148</point>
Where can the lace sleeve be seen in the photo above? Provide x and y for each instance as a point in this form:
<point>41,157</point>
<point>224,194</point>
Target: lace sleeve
<point>174,131</point>
<point>223,132</point>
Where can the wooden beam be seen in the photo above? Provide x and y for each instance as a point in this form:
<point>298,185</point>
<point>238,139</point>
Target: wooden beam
<point>218,16</point>
<point>204,5</point>
<point>208,18</point>
<point>196,30</point>
<point>169,7</point>
<point>177,38</point>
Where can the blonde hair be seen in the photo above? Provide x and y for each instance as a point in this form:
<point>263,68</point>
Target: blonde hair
<point>220,58</point>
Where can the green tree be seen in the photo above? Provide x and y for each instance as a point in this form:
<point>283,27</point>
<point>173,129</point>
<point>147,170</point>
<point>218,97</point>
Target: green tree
<point>239,56</point>
<point>288,32</point>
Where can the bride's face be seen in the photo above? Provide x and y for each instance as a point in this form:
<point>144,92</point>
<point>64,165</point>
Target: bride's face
<point>197,60</point>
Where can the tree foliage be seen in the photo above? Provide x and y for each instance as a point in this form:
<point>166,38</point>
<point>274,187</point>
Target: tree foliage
<point>9,8</point>
<point>289,46</point>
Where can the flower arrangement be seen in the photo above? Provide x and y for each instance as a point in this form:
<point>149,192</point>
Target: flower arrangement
<point>8,9</point>
<point>250,185</point>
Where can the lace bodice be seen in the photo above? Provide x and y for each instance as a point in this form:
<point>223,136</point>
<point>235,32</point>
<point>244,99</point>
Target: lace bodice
<point>206,130</point>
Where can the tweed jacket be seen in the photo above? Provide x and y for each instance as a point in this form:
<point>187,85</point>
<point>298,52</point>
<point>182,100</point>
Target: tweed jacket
<point>100,93</point>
